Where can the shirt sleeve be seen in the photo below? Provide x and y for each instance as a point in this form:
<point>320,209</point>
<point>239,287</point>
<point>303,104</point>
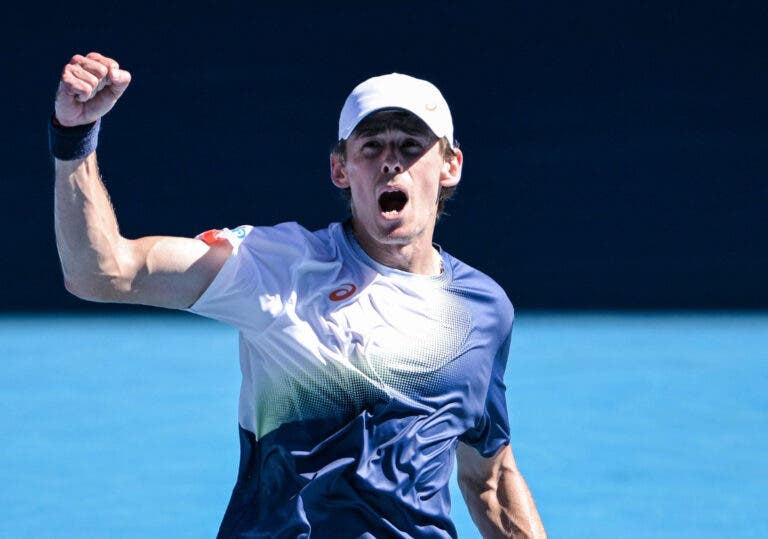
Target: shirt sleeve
<point>492,430</point>
<point>249,290</point>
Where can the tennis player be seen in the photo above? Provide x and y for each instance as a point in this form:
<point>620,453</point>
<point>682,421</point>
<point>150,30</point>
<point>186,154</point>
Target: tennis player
<point>370,356</point>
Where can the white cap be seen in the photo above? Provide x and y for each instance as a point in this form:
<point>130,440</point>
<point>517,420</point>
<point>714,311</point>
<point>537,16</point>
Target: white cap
<point>396,91</point>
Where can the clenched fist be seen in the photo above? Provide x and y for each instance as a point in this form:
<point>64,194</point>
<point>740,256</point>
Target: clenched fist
<point>89,87</point>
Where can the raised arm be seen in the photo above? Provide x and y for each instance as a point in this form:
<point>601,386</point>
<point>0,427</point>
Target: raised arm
<point>98,263</point>
<point>497,496</point>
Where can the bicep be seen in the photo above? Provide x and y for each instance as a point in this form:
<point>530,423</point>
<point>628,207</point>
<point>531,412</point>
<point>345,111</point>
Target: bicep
<point>170,272</point>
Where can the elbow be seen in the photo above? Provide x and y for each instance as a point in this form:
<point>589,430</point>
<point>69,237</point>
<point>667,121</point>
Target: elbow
<point>85,290</point>
<point>71,287</point>
<point>104,278</point>
<point>95,288</point>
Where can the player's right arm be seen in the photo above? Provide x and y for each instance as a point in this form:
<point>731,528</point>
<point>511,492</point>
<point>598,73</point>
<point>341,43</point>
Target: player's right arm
<point>98,263</point>
<point>497,495</point>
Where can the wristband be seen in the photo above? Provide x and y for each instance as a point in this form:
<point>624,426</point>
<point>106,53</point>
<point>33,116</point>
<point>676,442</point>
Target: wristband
<point>72,143</point>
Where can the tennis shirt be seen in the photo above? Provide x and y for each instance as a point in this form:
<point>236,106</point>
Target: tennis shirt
<point>357,382</point>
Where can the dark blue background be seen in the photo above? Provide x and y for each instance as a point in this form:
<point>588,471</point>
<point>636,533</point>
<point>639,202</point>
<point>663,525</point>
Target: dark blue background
<point>615,152</point>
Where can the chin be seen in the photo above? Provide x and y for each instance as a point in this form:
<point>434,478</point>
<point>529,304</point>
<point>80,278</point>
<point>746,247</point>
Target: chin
<point>398,234</point>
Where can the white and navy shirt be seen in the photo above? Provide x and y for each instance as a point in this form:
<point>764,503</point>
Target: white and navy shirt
<point>358,381</point>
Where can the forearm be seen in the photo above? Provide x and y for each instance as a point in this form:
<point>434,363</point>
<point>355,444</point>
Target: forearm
<point>503,508</point>
<point>87,234</point>
<point>506,509</point>
<point>497,496</point>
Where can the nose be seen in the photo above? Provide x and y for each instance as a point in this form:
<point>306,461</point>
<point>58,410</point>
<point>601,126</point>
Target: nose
<point>391,168</point>
<point>391,163</point>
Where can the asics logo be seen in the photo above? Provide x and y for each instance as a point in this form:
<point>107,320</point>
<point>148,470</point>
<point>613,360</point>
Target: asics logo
<point>343,292</point>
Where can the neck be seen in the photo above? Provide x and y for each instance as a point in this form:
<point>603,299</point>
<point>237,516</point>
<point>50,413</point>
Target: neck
<point>415,255</point>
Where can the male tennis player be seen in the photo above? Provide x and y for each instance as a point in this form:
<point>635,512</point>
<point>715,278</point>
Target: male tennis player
<point>370,356</point>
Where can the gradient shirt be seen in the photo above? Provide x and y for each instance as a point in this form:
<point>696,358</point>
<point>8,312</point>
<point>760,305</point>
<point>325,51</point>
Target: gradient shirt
<point>358,382</point>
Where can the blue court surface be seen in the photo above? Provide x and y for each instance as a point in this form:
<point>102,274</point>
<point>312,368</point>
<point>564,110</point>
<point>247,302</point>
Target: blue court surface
<point>625,425</point>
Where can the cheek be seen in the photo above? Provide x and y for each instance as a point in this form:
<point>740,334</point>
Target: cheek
<point>360,172</point>
<point>428,182</point>
<point>359,191</point>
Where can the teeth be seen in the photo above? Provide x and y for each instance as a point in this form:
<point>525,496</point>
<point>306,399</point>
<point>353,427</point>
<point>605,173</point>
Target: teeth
<point>392,202</point>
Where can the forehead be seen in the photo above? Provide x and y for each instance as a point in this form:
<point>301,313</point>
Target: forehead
<point>392,120</point>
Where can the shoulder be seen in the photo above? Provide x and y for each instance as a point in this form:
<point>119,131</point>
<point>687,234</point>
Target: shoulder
<point>276,245</point>
<point>289,238</point>
<point>480,289</point>
<point>289,233</point>
<point>473,281</point>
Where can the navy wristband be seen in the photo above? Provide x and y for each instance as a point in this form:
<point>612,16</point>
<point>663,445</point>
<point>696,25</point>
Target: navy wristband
<point>72,143</point>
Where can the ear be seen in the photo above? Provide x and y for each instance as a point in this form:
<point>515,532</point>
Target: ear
<point>451,173</point>
<point>339,173</point>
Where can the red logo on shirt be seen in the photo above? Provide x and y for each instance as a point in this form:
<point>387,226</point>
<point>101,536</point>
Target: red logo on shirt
<point>211,236</point>
<point>343,292</point>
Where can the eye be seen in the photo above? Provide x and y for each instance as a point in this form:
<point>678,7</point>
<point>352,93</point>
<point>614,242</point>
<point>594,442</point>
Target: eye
<point>371,147</point>
<point>412,146</point>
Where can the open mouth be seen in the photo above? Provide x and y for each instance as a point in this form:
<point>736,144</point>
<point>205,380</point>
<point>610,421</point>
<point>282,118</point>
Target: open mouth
<point>392,202</point>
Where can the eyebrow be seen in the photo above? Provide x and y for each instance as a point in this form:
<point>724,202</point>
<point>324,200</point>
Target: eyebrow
<point>374,130</point>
